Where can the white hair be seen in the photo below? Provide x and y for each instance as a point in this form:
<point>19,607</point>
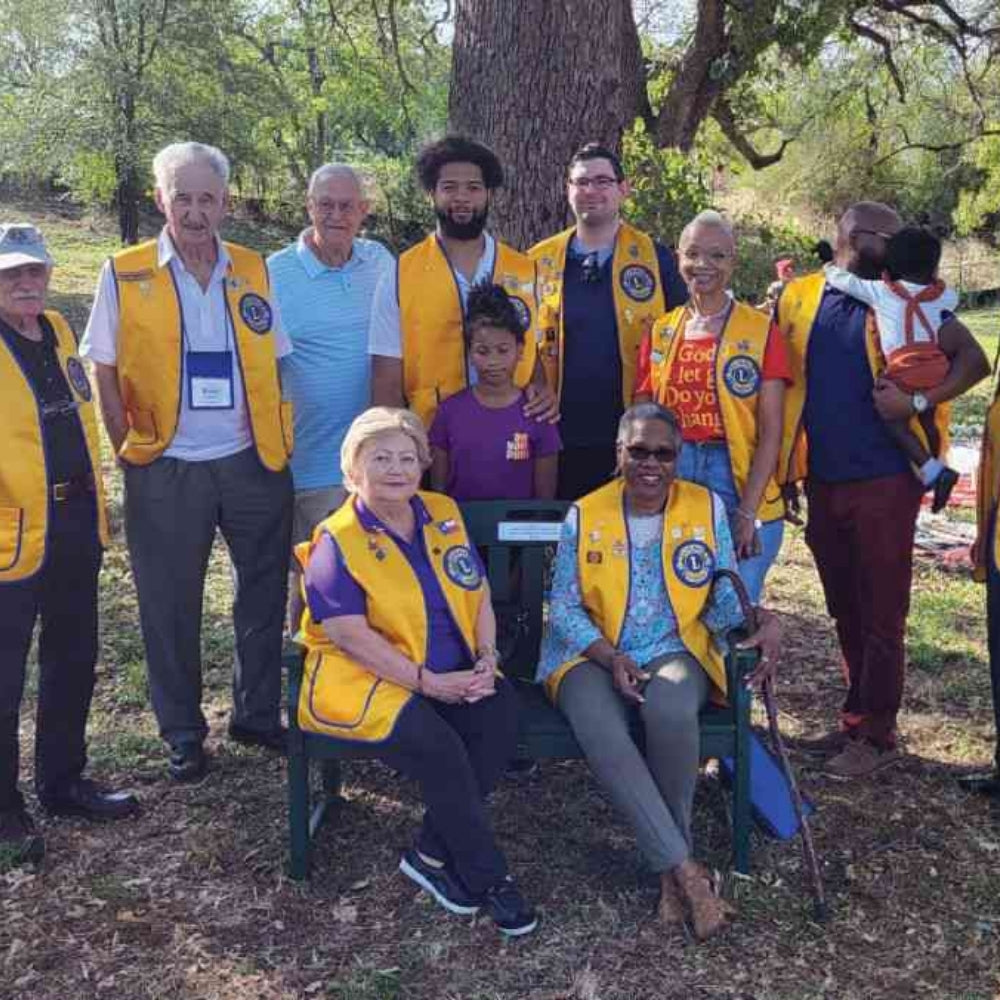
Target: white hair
<point>179,154</point>
<point>370,424</point>
<point>331,171</point>
<point>709,217</point>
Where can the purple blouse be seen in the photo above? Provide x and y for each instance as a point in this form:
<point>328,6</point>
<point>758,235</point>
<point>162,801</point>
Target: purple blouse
<point>332,591</point>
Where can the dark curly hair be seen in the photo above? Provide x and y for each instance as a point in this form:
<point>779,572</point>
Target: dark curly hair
<point>457,149</point>
<point>595,151</point>
<point>913,254</point>
<point>490,305</point>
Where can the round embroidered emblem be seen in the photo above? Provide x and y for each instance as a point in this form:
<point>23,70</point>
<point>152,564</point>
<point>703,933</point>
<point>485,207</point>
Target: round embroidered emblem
<point>638,282</point>
<point>694,563</point>
<point>256,313</point>
<point>78,379</point>
<point>522,310</point>
<point>741,375</point>
<point>460,567</point>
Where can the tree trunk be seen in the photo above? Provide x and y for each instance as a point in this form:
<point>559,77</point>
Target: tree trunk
<point>127,174</point>
<point>535,80</point>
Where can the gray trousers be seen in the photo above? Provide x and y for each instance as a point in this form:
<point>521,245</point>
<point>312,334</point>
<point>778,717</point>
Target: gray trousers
<point>654,793</point>
<point>172,510</point>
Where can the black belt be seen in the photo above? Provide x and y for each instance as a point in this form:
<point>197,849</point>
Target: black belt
<point>80,486</point>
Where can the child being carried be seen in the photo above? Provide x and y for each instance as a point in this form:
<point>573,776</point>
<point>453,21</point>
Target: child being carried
<point>911,304</point>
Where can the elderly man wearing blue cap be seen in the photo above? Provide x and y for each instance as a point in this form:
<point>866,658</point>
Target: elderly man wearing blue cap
<point>52,532</point>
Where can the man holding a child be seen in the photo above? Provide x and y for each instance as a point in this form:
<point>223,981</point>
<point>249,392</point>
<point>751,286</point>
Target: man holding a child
<point>862,492</point>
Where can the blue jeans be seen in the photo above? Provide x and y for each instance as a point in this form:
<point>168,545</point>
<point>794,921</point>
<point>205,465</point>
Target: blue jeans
<point>708,465</point>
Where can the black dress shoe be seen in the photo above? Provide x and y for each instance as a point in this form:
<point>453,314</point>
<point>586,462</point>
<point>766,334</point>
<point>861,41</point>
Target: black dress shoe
<point>87,798</point>
<point>188,762</point>
<point>270,739</point>
<point>981,783</point>
<point>20,842</point>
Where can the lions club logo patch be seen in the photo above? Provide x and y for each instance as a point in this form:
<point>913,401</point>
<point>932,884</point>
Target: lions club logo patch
<point>78,378</point>
<point>256,313</point>
<point>461,568</point>
<point>638,282</point>
<point>522,310</point>
<point>741,375</point>
<point>694,563</point>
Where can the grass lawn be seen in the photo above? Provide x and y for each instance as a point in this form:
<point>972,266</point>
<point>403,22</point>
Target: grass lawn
<point>190,901</point>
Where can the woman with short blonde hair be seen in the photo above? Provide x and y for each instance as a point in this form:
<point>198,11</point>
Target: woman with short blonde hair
<point>401,655</point>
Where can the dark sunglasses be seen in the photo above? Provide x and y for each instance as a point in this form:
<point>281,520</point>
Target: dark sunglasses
<point>637,453</point>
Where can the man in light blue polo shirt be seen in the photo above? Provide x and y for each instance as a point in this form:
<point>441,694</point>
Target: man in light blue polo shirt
<point>324,284</point>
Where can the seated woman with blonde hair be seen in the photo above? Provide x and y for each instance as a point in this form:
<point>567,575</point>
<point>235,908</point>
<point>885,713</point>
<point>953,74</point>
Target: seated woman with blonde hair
<point>401,655</point>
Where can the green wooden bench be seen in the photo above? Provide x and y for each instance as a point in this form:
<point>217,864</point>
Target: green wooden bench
<point>514,537</point>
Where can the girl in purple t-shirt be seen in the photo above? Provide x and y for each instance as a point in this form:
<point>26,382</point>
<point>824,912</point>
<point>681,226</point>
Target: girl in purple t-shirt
<point>482,445</point>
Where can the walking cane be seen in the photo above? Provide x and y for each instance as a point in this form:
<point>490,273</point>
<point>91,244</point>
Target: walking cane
<point>821,912</point>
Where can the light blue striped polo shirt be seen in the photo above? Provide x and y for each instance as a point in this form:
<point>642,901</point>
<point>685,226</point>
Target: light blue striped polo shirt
<point>326,313</point>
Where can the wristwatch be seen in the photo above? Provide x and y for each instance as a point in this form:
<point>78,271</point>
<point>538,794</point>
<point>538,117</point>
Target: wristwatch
<point>757,522</point>
<point>920,402</point>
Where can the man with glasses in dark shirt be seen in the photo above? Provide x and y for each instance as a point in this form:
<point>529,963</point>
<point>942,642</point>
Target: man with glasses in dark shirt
<point>52,529</point>
<point>602,284</point>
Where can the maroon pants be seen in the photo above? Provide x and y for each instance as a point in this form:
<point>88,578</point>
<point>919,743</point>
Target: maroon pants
<point>861,536</point>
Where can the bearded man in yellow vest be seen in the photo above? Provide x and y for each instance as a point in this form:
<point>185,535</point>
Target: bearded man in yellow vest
<point>186,336</point>
<point>863,495</point>
<point>416,340</point>
<point>602,284</point>
<point>52,532</point>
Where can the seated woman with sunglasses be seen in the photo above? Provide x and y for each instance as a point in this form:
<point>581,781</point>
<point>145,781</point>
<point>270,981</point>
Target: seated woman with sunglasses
<point>635,626</point>
<point>719,365</point>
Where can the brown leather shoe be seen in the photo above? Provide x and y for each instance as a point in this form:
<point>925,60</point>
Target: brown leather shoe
<point>860,758</point>
<point>709,913</point>
<point>670,909</point>
<point>826,745</point>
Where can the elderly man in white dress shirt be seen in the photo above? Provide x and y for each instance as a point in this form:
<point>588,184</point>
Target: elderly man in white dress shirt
<point>185,339</point>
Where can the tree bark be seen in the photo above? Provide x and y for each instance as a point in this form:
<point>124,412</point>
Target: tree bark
<point>535,80</point>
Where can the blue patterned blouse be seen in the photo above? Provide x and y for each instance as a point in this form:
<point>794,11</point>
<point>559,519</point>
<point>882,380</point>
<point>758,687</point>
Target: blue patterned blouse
<point>650,628</point>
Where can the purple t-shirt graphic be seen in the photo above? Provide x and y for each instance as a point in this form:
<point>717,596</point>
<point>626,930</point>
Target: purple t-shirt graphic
<point>491,452</point>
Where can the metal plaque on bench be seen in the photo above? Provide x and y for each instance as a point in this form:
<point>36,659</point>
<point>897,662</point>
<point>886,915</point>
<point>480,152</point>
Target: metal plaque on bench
<point>528,531</point>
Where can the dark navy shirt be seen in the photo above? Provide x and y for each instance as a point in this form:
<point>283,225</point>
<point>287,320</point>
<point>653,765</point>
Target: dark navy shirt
<point>66,454</point>
<point>591,397</point>
<point>332,591</point>
<point>848,440</point>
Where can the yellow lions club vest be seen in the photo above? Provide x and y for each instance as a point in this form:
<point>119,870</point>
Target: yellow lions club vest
<point>797,310</point>
<point>639,300</point>
<point>339,696</point>
<point>150,344</point>
<point>987,548</point>
<point>739,361</point>
<point>435,359</point>
<point>24,482</point>
<point>603,562</point>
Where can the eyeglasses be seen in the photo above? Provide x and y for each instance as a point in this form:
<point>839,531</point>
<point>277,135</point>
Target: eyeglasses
<point>639,454</point>
<point>872,232</point>
<point>586,183</point>
<point>712,256</point>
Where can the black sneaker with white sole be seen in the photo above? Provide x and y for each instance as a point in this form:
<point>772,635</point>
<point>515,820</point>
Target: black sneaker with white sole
<point>441,883</point>
<point>505,904</point>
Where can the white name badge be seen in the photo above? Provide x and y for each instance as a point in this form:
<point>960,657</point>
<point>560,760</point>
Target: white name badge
<point>210,380</point>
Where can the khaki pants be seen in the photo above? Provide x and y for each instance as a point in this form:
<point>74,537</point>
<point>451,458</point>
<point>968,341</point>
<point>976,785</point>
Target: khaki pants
<point>311,507</point>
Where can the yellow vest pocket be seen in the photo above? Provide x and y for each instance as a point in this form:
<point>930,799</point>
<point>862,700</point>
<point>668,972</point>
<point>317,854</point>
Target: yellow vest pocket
<point>11,524</point>
<point>287,414</point>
